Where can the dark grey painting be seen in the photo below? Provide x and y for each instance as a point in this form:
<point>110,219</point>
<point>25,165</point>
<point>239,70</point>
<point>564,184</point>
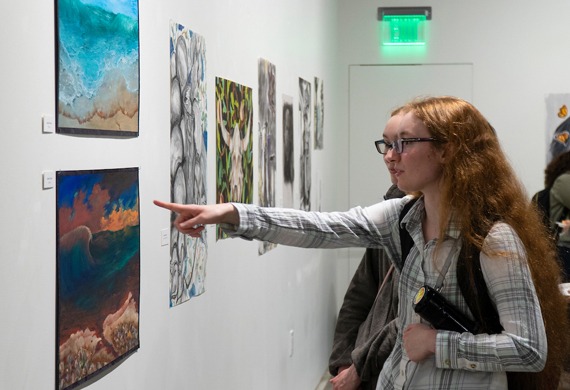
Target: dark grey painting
<point>288,152</point>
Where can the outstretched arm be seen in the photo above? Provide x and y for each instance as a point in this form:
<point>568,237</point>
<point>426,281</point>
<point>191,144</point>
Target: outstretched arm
<point>192,217</point>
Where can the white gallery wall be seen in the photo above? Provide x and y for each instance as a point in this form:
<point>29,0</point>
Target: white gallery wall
<point>517,52</point>
<point>237,334</point>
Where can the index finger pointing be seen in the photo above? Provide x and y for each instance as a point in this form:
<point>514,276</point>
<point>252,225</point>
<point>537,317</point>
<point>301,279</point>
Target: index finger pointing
<point>177,208</point>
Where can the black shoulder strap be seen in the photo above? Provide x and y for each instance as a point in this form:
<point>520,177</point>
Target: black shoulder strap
<point>406,242</point>
<point>475,290</point>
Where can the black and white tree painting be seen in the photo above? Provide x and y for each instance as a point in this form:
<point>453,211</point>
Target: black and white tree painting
<point>288,152</point>
<point>188,141</point>
<point>305,122</point>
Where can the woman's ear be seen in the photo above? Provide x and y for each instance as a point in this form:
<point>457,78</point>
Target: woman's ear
<point>446,152</point>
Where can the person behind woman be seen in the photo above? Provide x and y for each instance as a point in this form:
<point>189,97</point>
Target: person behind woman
<point>469,198</point>
<point>557,178</point>
<point>367,327</point>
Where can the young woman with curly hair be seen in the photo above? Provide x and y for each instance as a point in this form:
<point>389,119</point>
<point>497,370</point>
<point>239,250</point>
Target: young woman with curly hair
<point>470,201</point>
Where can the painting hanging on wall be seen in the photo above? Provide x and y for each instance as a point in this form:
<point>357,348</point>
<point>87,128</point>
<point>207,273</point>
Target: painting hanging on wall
<point>305,129</point>
<point>97,67</point>
<point>267,139</point>
<point>557,125</point>
<point>98,271</point>
<point>234,144</point>
<point>319,108</point>
<point>188,145</point>
<point>288,152</point>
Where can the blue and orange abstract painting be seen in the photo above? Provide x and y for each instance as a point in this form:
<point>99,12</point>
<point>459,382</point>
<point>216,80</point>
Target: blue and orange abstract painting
<point>98,272</point>
<point>98,67</point>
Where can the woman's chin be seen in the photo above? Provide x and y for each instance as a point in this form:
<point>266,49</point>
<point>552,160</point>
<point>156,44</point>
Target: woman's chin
<point>405,188</point>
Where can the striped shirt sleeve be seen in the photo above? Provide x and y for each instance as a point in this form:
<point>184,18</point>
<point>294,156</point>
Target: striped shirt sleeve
<point>522,345</point>
<point>358,227</point>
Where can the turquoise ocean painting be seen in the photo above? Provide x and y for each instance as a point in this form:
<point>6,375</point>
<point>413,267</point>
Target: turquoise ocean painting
<point>98,67</point>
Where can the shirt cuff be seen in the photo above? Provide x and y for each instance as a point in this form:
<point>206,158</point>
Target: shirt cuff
<point>446,343</point>
<point>237,231</point>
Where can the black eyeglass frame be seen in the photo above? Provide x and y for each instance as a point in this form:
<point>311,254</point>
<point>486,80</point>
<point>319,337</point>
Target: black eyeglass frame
<point>398,145</point>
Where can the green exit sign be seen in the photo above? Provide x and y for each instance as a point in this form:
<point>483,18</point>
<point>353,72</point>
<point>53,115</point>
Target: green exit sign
<point>404,25</point>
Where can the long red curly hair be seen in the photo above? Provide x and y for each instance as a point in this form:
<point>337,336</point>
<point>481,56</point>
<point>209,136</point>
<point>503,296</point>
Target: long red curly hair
<point>481,188</point>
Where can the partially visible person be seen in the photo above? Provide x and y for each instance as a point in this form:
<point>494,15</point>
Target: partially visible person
<point>367,325</point>
<point>555,202</point>
<point>558,179</point>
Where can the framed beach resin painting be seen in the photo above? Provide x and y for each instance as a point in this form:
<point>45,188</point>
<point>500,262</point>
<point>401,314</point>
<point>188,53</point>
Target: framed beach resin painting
<point>97,67</point>
<point>98,272</point>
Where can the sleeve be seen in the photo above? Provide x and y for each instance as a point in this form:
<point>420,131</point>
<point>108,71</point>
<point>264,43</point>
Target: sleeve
<point>561,189</point>
<point>522,344</point>
<point>370,359</point>
<point>358,227</point>
<point>355,309</point>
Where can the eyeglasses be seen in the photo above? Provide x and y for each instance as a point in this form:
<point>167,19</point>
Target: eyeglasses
<point>383,147</point>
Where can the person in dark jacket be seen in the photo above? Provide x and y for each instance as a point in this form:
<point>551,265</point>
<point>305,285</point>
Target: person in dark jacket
<point>367,326</point>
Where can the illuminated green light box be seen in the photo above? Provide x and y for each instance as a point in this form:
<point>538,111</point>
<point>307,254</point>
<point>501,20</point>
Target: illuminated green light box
<point>405,30</point>
<point>403,25</point>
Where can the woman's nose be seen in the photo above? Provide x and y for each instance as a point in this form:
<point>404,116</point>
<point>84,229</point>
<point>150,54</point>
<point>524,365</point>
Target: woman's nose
<point>390,155</point>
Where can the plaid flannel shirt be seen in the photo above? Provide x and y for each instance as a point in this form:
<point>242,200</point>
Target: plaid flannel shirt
<point>462,360</point>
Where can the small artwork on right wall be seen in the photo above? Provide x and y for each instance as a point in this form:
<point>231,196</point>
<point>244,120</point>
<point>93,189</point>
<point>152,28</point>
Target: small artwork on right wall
<point>305,130</point>
<point>557,125</point>
<point>319,108</point>
<point>288,152</point>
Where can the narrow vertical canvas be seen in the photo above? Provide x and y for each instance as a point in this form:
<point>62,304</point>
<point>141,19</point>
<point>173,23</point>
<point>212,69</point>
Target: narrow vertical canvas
<point>305,129</point>
<point>267,123</point>
<point>234,144</point>
<point>188,144</point>
<point>288,151</point>
<point>98,67</point>
<point>98,271</point>
<point>319,108</point>
<point>557,125</point>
